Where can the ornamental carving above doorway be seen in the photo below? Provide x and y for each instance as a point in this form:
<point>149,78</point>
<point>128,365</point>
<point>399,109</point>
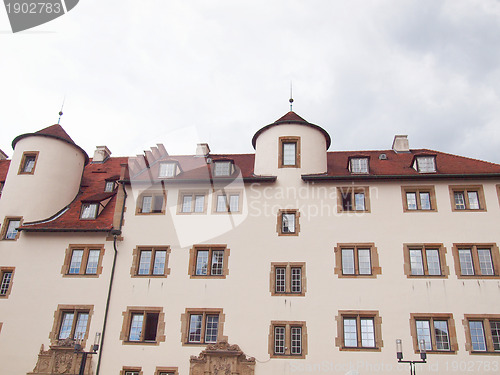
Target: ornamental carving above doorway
<point>222,359</point>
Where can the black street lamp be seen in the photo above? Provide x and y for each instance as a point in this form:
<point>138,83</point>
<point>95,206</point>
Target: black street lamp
<point>423,354</point>
<point>78,348</point>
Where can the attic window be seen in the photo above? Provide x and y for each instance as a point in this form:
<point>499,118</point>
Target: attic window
<point>109,187</point>
<point>426,164</point>
<point>359,165</point>
<point>223,168</point>
<point>89,211</point>
<point>167,169</point>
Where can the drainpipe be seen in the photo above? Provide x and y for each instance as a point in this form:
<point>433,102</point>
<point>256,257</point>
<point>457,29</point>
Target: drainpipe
<point>115,233</point>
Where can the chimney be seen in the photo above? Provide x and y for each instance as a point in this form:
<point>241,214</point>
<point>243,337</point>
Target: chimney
<point>101,154</point>
<point>202,149</point>
<point>400,143</point>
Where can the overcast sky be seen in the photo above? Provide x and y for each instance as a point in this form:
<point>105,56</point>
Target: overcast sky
<point>178,72</point>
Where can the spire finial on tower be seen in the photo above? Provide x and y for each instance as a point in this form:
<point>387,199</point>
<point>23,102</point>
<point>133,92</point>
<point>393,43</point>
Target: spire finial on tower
<point>291,97</point>
<point>61,112</point>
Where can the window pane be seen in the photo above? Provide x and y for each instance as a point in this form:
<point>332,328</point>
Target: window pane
<point>416,262</point>
<point>146,204</point>
<point>296,279</point>
<point>426,164</point>
<point>459,200</point>
<point>425,201</point>
<point>66,325</point>
<point>359,201</point>
<point>424,332</point>
<point>364,262</point>
<point>442,337</point>
<point>92,262</point>
<point>195,328</point>
<point>158,203</point>
<point>150,327</point>
<point>186,203</point>
<point>109,187</point>
<point>144,262</point>
<point>411,201</point>
<point>76,262</point>
<point>211,328</point>
<point>367,333</point>
<point>81,325</point>
<point>346,201</point>
<point>433,264</point>
<point>279,340</point>
<point>296,342</point>
<point>4,286</point>
<point>12,229</point>
<point>202,262</point>
<point>288,223</point>
<point>167,170</point>
<point>234,205</point>
<point>485,262</point>
<point>495,334</point>
<point>350,333</point>
<point>466,265</point>
<point>199,203</point>
<point>221,203</point>
<point>222,168</point>
<point>136,327</point>
<point>217,262</point>
<point>348,261</point>
<point>89,211</point>
<point>359,165</point>
<point>29,163</point>
<point>289,153</point>
<point>159,265</point>
<point>473,200</point>
<point>477,336</point>
<point>280,279</point>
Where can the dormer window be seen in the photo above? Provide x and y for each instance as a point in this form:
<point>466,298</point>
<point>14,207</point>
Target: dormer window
<point>223,168</point>
<point>89,211</point>
<point>289,152</point>
<point>358,165</point>
<point>167,169</point>
<point>425,164</point>
<point>109,187</point>
<point>28,163</point>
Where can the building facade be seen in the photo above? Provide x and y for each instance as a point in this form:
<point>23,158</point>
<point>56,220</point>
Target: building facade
<point>294,259</point>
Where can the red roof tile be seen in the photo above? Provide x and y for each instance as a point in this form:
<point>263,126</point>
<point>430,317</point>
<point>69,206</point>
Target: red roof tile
<point>4,168</point>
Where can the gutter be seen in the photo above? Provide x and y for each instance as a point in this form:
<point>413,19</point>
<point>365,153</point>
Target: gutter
<point>430,176</point>
<point>204,180</point>
<point>115,233</point>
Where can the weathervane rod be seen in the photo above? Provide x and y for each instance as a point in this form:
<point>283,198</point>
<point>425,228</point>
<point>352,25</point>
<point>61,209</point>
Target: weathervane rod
<point>61,112</point>
<point>291,97</point>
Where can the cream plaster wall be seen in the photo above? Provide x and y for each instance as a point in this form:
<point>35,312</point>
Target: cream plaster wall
<point>52,186</point>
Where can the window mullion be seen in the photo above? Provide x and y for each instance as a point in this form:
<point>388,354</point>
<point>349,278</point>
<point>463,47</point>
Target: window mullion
<point>152,261</point>
<point>85,258</point>
<point>203,326</point>
<point>356,261</point>
<point>475,261</point>
<point>358,331</point>
<point>433,334</point>
<point>487,335</point>
<point>424,260</point>
<point>417,199</point>
<point>466,200</point>
<point>73,325</point>
<point>288,279</point>
<point>209,264</point>
<point>288,339</point>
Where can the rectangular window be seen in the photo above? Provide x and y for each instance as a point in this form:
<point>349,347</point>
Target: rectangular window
<point>227,202</point>
<point>476,260</point>
<point>109,187</point>
<point>437,331</point>
<point>357,260</point>
<point>426,164</point>
<point>89,211</point>
<point>150,262</point>
<point>419,198</point>
<point>152,204</point>
<point>424,260</point>
<point>482,333</point>
<point>223,168</point>
<point>192,202</point>
<point>83,260</point>
<point>358,165</point>
<point>353,199</point>
<point>28,162</point>
<point>209,261</point>
<point>202,326</point>
<point>288,223</point>
<point>166,371</point>
<point>167,170</point>
<point>10,228</point>
<point>359,330</point>
<point>6,275</point>
<point>288,279</point>
<point>287,339</point>
<point>467,198</point>
<point>143,325</point>
<point>71,322</point>
<point>289,152</point>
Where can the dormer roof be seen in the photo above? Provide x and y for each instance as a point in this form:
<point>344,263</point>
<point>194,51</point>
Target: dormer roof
<point>292,118</point>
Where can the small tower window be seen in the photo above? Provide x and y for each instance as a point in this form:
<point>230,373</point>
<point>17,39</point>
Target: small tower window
<point>28,163</point>
<point>289,152</point>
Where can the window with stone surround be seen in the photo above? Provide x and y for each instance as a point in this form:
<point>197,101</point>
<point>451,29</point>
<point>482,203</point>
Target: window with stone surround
<point>131,370</point>
<point>467,198</point>
<point>143,325</point>
<point>151,202</point>
<point>482,333</point>
<point>357,260</point>
<point>289,152</point>
<point>6,280</point>
<point>83,260</point>
<point>208,261</point>
<point>353,199</point>
<point>28,162</point>
<point>288,339</point>
<point>477,261</point>
<point>437,330</point>
<point>227,201</point>
<point>419,198</point>
<point>150,261</point>
<point>288,222</point>
<point>359,330</point>
<point>202,326</point>
<point>166,371</point>
<point>10,228</point>
<point>71,322</point>
<point>194,202</point>
<point>288,279</point>
<point>425,260</point>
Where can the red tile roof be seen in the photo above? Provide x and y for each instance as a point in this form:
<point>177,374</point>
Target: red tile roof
<point>91,189</point>
<point>4,168</point>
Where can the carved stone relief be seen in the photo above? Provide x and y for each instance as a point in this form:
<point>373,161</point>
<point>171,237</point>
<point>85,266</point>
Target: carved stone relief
<point>222,359</point>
